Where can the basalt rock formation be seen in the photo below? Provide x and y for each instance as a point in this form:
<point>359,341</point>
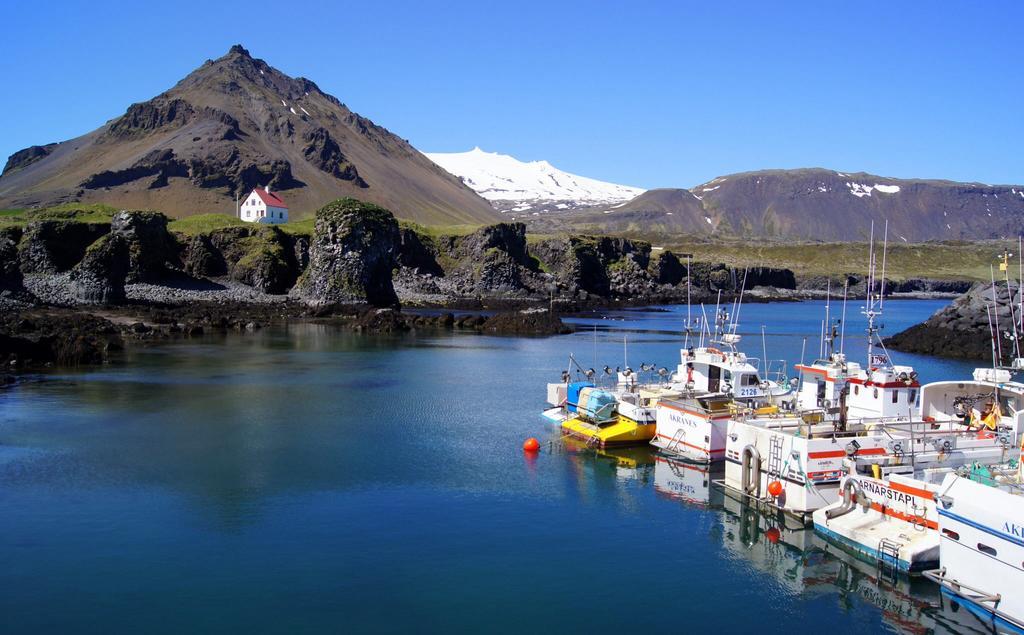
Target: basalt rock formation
<point>10,267</point>
<point>53,246</point>
<point>100,277</point>
<point>351,255</point>
<point>965,327</point>
<point>150,246</point>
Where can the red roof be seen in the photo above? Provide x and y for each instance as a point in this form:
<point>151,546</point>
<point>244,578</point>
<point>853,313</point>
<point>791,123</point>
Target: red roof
<point>271,199</point>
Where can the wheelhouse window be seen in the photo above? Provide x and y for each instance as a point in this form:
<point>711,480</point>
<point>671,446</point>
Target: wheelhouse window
<point>895,396</point>
<point>987,550</point>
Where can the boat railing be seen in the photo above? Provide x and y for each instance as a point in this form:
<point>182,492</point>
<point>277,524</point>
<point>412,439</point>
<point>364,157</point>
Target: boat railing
<point>697,408</point>
<point>900,429</point>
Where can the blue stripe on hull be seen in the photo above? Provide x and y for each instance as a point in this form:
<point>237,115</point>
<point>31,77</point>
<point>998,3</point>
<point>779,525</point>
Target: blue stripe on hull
<point>984,613</point>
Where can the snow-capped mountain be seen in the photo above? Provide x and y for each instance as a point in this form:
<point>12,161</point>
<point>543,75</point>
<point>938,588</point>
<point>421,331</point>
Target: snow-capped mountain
<point>524,187</point>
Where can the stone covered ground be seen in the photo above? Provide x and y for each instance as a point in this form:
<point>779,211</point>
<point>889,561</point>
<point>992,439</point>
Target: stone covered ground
<point>130,277</point>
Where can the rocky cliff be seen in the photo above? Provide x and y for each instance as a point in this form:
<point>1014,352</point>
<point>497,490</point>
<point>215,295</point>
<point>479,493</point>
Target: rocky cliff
<point>356,252</point>
<point>965,327</point>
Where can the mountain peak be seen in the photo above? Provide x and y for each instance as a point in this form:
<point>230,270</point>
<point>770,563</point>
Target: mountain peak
<point>230,125</point>
<point>239,50</point>
<point>518,186</point>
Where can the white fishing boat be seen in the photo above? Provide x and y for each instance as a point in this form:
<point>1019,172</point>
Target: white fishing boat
<point>846,411</point>
<point>888,512</point>
<point>981,543</point>
<point>716,381</point>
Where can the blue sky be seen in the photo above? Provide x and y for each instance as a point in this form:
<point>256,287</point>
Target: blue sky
<point>653,94</point>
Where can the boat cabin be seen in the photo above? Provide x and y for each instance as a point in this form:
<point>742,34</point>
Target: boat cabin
<point>710,370</point>
<point>991,400</point>
<point>884,392</point>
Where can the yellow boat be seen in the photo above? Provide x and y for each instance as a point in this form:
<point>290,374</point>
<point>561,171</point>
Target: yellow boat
<point>620,431</point>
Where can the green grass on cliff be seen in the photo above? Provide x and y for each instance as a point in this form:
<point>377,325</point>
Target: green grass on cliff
<point>206,223</point>
<point>81,212</point>
<point>948,260</point>
<point>203,223</point>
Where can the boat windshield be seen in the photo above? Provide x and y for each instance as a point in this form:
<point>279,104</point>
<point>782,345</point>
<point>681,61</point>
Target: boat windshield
<point>715,404</point>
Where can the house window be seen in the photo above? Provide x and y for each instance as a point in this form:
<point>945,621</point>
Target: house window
<point>895,396</point>
<point>986,549</point>
<point>949,533</point>
<point>856,389</point>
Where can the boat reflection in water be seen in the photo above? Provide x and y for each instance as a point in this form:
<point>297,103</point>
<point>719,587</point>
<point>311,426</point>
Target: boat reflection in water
<point>801,562</point>
<point>804,563</point>
<point>687,481</point>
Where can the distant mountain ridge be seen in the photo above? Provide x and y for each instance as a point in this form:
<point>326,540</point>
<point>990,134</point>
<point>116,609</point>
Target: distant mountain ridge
<point>232,124</point>
<point>523,187</point>
<point>816,204</point>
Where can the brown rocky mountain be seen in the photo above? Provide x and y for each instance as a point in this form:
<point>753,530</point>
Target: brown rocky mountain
<point>813,204</point>
<point>230,125</point>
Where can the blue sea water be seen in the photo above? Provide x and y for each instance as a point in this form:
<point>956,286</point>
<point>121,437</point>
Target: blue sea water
<point>304,479</point>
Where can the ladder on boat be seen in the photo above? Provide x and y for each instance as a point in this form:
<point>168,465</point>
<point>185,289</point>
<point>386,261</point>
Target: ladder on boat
<point>889,558</point>
<point>775,456</point>
<point>676,440</point>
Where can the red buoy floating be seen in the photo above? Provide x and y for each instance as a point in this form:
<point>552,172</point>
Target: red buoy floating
<point>775,488</point>
<point>531,445</point>
<point>773,535</point>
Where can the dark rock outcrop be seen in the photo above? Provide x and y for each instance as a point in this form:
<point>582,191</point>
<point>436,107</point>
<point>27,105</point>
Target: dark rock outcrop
<point>261,256</point>
<point>352,254</point>
<point>54,246</point>
<point>323,152</point>
<point>528,322</point>
<point>667,269</point>
<point>418,252</point>
<point>150,246</point>
<point>491,260</point>
<point>201,259</point>
<point>100,277</point>
<point>62,337</point>
<point>962,329</point>
<point>28,156</point>
<point>265,264</point>
<point>601,266</point>
<point>10,267</point>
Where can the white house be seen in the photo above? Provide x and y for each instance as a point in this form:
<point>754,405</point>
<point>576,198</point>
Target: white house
<point>262,206</point>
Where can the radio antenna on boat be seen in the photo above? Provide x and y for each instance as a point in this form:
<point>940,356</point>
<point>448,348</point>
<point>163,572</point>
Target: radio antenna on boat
<point>1004,266</point>
<point>995,310</point>
<point>764,351</point>
<point>689,319</point>
<point>871,310</point>
<point>842,322</point>
<point>821,341</point>
<point>625,352</point>
<point>992,335</point>
<point>739,302</point>
<point>703,326</point>
<point>885,250</point>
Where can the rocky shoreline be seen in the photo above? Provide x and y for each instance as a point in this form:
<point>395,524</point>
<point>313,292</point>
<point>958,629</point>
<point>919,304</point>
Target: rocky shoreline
<point>964,328</point>
<point>135,278</point>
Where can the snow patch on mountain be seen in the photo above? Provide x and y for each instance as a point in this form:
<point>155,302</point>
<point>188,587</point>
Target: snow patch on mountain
<point>859,189</point>
<point>514,185</point>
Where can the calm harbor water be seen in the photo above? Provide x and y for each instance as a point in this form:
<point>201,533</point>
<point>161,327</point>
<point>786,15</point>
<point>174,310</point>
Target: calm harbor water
<point>308,480</point>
